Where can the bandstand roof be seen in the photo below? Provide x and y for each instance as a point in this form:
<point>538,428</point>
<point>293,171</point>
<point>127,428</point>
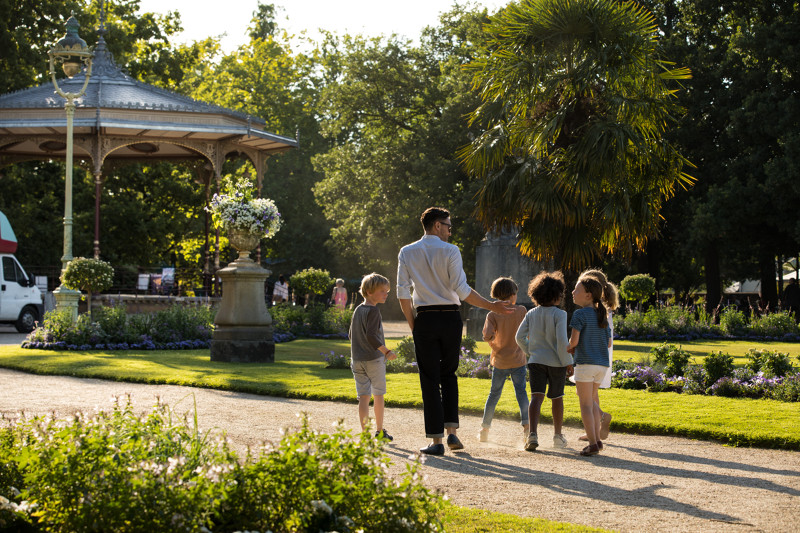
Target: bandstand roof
<point>120,118</point>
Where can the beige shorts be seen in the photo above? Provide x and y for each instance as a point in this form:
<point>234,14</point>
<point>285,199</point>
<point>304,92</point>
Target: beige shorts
<point>590,373</point>
<point>370,376</point>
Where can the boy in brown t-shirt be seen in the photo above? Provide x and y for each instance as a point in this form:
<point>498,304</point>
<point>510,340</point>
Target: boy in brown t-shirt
<point>507,358</point>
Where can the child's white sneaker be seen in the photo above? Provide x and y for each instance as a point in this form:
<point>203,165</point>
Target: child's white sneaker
<point>532,442</point>
<point>483,436</point>
<point>559,441</point>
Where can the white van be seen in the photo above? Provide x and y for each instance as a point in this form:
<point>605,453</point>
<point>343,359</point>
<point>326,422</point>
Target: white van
<point>20,299</point>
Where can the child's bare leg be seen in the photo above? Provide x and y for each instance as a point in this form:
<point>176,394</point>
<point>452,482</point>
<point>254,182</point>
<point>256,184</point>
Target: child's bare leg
<point>602,413</point>
<point>377,407</point>
<point>597,412</point>
<point>535,410</point>
<point>586,400</point>
<point>558,414</point>
<point>363,410</point>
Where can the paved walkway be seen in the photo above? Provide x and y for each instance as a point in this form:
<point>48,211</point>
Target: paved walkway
<point>640,483</point>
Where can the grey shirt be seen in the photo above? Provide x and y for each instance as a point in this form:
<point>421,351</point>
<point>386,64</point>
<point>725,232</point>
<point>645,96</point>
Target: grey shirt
<point>366,333</point>
<point>543,336</point>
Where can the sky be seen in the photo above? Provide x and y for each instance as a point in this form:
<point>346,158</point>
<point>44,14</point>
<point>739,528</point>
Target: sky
<point>369,17</point>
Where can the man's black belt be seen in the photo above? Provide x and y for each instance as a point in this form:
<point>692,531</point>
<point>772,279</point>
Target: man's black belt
<point>439,308</point>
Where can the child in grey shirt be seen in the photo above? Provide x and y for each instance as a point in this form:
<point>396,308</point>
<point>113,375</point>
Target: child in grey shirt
<point>368,351</point>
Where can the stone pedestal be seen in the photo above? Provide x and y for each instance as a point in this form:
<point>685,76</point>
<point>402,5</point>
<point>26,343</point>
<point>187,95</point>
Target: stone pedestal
<point>497,255</point>
<point>67,299</point>
<point>243,326</point>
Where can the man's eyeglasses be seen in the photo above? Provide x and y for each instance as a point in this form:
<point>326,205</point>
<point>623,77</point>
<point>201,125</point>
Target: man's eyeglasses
<point>449,226</point>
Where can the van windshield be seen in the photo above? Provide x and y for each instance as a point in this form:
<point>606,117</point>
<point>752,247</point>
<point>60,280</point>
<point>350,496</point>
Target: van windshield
<point>12,271</point>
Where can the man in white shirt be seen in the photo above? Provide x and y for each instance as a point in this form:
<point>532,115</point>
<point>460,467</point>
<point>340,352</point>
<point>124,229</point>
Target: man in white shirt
<point>432,269</point>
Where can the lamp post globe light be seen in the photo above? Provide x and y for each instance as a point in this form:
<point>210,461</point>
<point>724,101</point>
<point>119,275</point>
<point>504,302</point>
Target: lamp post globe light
<point>72,53</point>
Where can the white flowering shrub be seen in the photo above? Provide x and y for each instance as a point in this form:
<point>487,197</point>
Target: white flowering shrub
<point>90,275</point>
<point>238,210</point>
<point>121,471</point>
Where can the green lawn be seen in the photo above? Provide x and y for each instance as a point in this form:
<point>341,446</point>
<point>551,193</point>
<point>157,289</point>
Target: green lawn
<point>299,373</point>
<point>639,350</point>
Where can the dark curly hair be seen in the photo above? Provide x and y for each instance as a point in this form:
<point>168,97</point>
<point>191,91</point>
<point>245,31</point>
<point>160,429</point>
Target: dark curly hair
<point>547,288</point>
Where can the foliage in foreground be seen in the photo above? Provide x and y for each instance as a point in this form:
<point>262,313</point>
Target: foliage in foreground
<point>122,472</point>
<point>180,327</point>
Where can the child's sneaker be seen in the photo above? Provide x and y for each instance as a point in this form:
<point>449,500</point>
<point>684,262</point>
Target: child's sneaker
<point>483,436</point>
<point>559,441</point>
<point>532,442</point>
<point>382,433</point>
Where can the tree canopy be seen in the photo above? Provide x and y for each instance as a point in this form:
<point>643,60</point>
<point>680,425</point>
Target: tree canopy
<point>573,121</point>
<point>576,103</point>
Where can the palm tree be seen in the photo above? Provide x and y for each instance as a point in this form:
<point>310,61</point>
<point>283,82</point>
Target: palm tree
<point>576,103</point>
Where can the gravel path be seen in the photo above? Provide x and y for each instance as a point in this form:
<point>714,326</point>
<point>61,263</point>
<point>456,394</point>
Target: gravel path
<point>640,483</point>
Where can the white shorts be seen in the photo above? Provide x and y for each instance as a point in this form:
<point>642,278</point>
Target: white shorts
<point>590,373</point>
<point>370,376</point>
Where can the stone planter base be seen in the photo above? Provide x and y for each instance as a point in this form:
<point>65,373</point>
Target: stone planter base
<point>243,344</point>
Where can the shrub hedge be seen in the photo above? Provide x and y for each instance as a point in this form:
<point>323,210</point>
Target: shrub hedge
<point>122,472</point>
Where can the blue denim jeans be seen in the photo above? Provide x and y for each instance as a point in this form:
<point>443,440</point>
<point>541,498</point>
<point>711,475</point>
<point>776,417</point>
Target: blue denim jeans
<point>499,377</point>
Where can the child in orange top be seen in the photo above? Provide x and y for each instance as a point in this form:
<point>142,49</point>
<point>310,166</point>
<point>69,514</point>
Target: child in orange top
<point>507,358</point>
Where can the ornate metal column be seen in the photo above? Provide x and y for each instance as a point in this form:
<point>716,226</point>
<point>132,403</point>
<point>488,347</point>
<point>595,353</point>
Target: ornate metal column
<point>73,54</point>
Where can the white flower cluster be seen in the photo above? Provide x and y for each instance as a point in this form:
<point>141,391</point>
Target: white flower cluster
<point>22,507</point>
<point>259,215</point>
<point>88,274</point>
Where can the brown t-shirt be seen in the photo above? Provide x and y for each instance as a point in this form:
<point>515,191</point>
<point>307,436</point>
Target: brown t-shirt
<point>500,332</point>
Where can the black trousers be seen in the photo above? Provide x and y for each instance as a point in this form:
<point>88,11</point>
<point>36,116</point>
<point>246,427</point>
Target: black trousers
<point>437,342</point>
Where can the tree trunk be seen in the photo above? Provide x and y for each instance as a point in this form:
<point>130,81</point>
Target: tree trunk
<point>713,279</point>
<point>769,288</point>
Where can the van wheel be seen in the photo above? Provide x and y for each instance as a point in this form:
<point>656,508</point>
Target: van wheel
<point>27,319</point>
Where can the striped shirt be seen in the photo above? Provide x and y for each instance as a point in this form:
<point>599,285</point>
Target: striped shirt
<point>592,346</point>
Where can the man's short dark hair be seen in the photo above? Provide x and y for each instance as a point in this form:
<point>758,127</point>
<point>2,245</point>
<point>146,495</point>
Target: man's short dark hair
<point>432,215</point>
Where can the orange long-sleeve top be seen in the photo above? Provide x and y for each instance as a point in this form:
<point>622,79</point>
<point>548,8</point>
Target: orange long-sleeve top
<point>500,332</point>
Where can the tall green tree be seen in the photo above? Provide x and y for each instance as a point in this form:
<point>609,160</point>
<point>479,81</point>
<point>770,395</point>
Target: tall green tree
<point>268,79</point>
<point>741,130</point>
<point>396,113</point>
<point>577,99</point>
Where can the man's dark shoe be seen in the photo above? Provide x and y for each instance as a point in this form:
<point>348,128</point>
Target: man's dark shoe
<point>454,443</point>
<point>433,449</point>
<point>384,434</point>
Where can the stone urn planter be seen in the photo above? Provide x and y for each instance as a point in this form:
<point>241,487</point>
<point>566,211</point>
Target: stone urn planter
<point>243,326</point>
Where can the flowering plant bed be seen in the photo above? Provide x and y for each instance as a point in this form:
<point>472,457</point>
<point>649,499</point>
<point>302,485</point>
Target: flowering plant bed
<point>691,323</point>
<point>177,328</point>
<point>767,374</point>
<point>165,474</point>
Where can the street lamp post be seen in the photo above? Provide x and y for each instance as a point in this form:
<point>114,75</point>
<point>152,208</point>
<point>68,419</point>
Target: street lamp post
<point>72,53</point>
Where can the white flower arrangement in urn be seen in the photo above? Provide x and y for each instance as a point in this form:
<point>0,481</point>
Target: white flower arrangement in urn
<point>246,219</point>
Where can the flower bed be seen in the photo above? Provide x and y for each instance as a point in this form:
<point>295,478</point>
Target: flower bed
<point>178,328</point>
<point>768,374</point>
<point>691,323</point>
<point>315,321</point>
